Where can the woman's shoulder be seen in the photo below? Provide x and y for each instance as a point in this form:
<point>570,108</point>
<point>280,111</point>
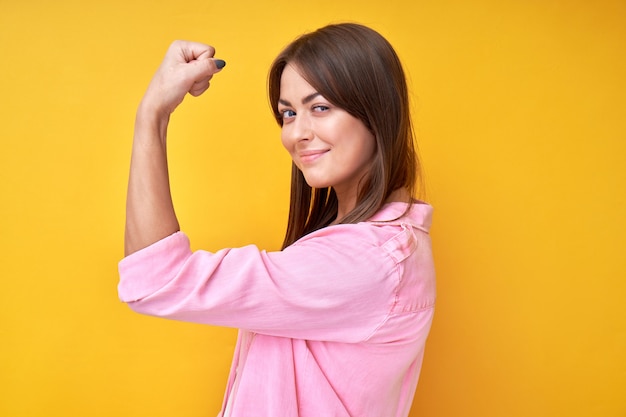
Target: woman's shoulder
<point>395,221</point>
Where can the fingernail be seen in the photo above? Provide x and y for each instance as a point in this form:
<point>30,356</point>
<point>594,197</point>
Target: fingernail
<point>220,63</point>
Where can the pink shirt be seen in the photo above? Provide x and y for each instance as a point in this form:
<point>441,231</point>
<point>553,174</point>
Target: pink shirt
<point>333,325</point>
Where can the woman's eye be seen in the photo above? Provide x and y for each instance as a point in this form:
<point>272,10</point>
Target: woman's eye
<point>287,114</point>
<point>320,108</point>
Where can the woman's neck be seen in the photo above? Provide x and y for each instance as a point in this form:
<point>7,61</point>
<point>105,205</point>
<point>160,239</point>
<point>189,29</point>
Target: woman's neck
<point>346,203</point>
<point>399,195</point>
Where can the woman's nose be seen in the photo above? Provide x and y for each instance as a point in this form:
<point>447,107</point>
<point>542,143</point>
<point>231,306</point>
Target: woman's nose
<point>301,128</point>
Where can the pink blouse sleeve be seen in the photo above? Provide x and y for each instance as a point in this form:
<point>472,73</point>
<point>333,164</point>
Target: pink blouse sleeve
<point>331,285</point>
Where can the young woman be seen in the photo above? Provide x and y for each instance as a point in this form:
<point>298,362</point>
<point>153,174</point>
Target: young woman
<point>335,323</point>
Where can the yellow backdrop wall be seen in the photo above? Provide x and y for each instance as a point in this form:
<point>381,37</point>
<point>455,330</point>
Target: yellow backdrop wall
<point>520,113</point>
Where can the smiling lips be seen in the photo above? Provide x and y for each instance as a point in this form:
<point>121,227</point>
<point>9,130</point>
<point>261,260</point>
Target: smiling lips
<point>311,155</point>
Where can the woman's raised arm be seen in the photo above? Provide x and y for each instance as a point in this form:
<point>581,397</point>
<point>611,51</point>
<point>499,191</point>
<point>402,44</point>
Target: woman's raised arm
<point>187,68</point>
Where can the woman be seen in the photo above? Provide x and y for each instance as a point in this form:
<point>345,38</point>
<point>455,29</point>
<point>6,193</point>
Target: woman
<point>335,323</point>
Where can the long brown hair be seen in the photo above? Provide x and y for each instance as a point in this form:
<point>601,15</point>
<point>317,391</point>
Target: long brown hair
<point>356,69</point>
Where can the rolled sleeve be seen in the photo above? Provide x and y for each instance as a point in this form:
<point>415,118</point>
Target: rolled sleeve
<point>152,268</point>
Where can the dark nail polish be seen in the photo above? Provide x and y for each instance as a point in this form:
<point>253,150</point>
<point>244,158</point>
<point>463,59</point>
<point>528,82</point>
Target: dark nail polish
<point>219,63</point>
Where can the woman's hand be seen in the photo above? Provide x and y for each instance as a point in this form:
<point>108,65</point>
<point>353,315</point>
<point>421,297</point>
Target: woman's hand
<point>187,68</point>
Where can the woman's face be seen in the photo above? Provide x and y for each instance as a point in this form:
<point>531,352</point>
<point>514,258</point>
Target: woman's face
<point>331,147</point>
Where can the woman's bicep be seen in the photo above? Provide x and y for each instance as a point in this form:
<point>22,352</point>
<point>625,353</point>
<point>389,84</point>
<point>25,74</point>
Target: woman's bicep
<point>318,291</point>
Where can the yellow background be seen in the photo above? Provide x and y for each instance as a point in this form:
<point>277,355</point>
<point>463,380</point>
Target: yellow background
<point>521,118</point>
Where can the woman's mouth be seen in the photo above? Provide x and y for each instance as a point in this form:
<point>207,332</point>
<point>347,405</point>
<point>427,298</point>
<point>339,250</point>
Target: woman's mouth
<point>307,157</point>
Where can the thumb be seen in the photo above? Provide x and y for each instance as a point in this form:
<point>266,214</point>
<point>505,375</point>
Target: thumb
<point>205,66</point>
<point>205,69</point>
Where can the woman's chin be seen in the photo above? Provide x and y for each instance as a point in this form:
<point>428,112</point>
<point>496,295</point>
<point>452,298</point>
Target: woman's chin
<point>316,183</point>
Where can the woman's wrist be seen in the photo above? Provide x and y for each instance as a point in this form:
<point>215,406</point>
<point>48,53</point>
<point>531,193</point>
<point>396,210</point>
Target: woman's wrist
<point>151,122</point>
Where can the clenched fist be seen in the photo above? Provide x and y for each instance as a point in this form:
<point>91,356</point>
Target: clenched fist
<point>187,68</point>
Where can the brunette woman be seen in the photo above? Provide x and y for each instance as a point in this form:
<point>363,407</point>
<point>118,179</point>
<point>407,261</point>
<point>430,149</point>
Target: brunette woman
<point>335,323</point>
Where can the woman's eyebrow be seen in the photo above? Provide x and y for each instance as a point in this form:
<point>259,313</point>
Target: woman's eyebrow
<point>304,100</point>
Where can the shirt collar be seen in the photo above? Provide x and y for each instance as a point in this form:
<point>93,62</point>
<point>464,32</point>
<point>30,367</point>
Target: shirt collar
<point>418,216</point>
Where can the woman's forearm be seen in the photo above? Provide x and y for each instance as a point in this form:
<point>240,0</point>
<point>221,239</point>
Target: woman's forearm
<point>150,212</point>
